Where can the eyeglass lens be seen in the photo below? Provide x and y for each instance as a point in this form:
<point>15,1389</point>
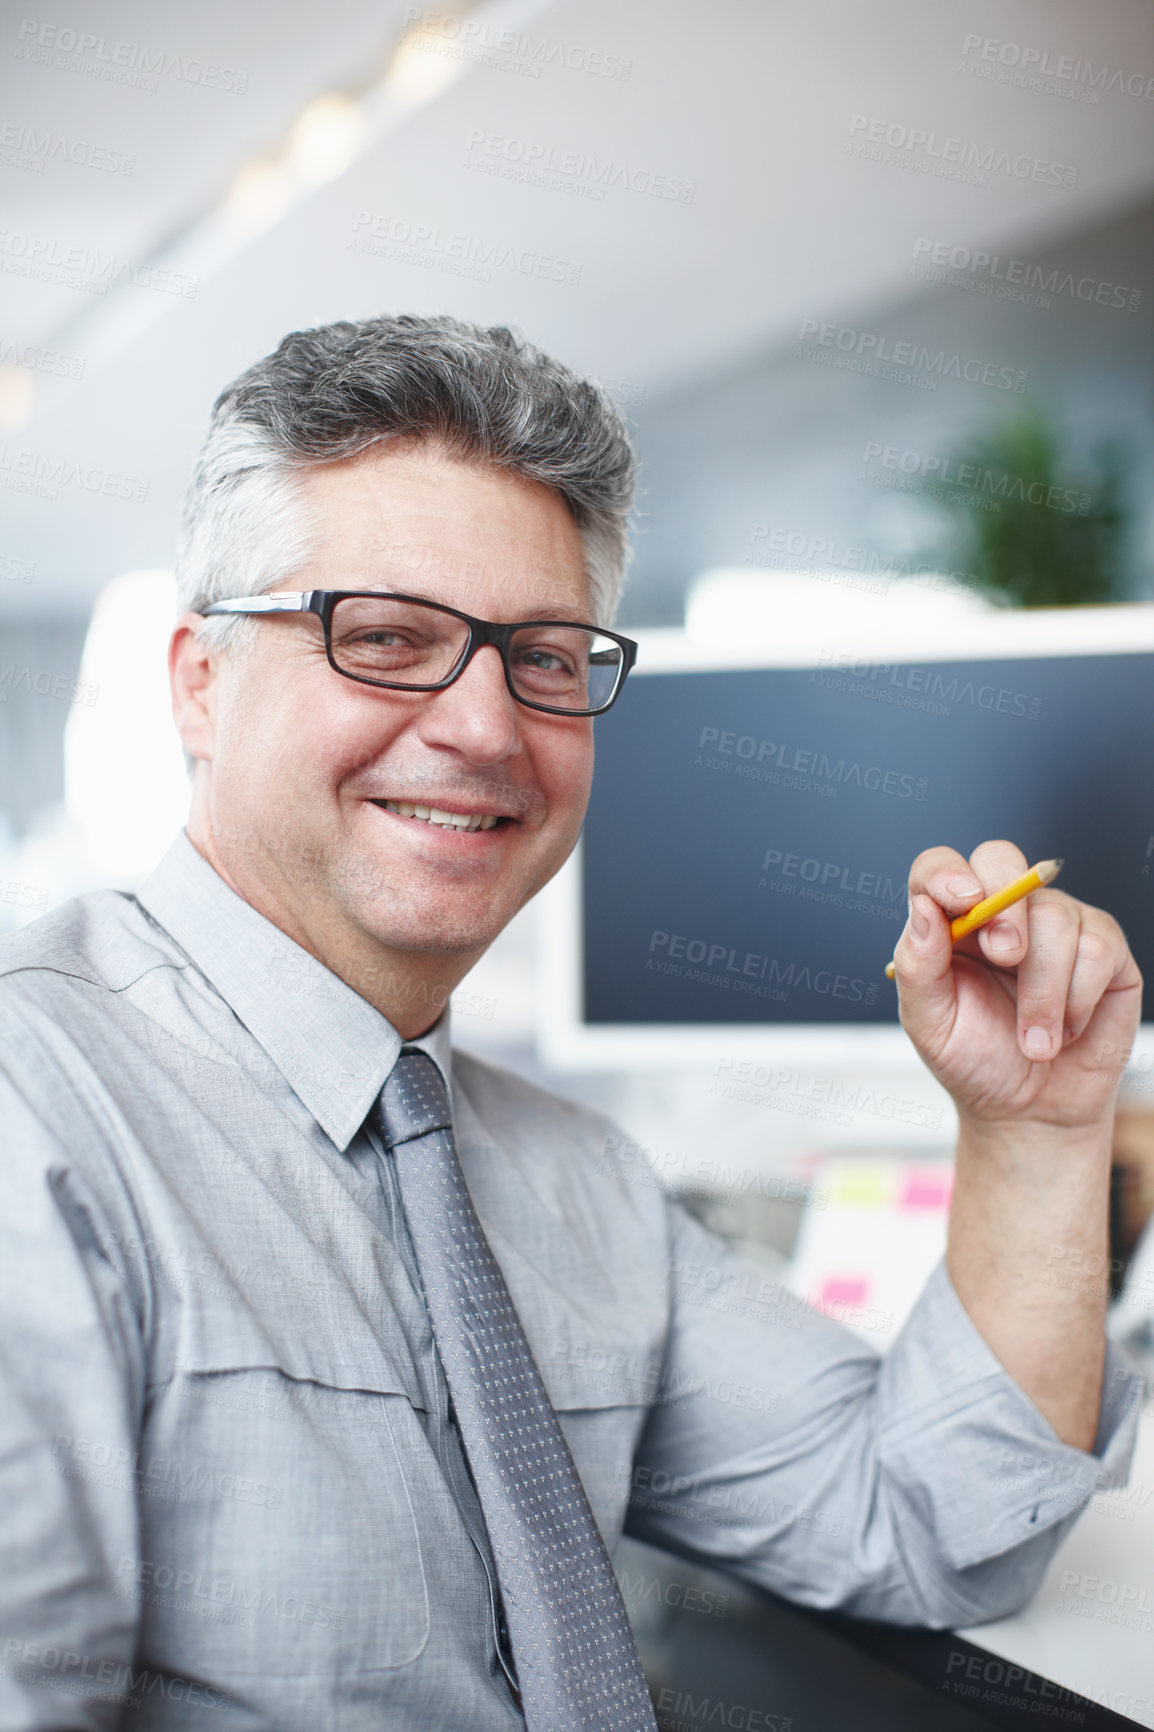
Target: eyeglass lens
<point>405,643</point>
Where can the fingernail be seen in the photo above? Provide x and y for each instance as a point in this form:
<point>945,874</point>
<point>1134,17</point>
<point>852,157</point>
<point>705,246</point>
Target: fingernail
<point>1036,1043</point>
<point>1003,936</point>
<point>919,921</point>
<point>963,887</point>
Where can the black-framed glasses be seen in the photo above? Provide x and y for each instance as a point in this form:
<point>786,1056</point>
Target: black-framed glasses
<point>405,643</point>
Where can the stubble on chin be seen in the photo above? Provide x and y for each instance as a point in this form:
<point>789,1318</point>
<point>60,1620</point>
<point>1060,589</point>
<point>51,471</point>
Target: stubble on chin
<point>392,907</point>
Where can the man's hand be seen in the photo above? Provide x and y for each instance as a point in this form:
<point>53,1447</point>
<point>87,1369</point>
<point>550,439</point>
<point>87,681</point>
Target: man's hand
<point>1028,1018</point>
<point>1027,1023</point>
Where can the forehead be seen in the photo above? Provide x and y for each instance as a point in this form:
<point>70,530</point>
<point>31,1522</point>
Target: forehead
<point>407,515</point>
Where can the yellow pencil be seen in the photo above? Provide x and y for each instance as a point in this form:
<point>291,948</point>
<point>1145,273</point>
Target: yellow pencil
<point>1045,873</point>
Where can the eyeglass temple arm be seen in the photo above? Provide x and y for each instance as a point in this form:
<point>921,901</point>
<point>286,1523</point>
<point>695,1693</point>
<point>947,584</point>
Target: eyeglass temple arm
<point>295,602</point>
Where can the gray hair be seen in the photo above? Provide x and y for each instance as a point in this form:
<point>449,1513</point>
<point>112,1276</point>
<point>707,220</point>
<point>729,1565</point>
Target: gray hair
<point>483,395</point>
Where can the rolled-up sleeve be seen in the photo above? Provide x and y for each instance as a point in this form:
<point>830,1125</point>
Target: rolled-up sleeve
<point>923,1487</point>
<point>70,1382</point>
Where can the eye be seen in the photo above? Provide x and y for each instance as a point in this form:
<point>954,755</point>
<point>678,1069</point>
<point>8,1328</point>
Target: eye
<point>546,661</point>
<point>382,637</point>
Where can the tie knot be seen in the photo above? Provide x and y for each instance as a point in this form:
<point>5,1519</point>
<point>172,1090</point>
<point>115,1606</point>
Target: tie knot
<point>414,1100</point>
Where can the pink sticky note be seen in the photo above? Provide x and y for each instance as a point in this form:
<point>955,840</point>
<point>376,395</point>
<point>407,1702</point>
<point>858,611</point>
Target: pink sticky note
<point>842,1290</point>
<point>927,1190</point>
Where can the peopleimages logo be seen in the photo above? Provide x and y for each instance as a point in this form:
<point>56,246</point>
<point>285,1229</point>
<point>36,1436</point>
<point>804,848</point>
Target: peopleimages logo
<point>841,1098</point>
<point>880,681</point>
<point>990,485</point>
<point>1066,68</point>
<point>26,147</point>
<point>24,895</point>
<point>102,1680</point>
<point>46,685</point>
<point>552,166</point>
<point>136,63</point>
<point>769,756</point>
<point>943,154</point>
<point>1014,279</point>
<point>44,474</point>
<point>689,1599</point>
<point>14,570</point>
<point>1007,1684</point>
<point>461,37</point>
<point>679,1708</point>
<point>14,353</point>
<point>850,564</point>
<point>460,254</point>
<point>810,870</point>
<point>51,260</point>
<point>721,960</point>
<point>870,347</point>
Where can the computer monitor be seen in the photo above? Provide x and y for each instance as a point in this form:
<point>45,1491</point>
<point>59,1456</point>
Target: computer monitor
<point>741,880</point>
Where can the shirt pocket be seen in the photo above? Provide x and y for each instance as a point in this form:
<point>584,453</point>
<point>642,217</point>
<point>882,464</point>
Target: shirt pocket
<point>601,1383</point>
<point>279,1534</point>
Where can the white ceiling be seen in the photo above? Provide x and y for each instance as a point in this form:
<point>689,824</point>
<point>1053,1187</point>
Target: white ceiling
<point>751,102</point>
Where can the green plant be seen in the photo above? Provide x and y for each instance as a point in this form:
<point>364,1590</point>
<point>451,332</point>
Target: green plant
<point>1031,528</point>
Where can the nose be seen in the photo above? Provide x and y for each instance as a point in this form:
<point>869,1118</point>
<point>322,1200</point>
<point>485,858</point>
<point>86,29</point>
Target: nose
<point>477,716</point>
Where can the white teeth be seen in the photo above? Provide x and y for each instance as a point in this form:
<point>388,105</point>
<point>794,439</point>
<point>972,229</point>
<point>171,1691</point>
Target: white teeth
<point>447,820</point>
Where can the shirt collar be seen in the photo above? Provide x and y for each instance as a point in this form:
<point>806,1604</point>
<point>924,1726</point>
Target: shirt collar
<point>330,1045</point>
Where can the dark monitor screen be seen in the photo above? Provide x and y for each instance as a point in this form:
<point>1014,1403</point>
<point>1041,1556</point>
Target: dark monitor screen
<point>750,833</point>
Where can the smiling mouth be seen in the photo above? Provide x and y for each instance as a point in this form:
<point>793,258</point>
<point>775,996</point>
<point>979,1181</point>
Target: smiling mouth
<point>446,820</point>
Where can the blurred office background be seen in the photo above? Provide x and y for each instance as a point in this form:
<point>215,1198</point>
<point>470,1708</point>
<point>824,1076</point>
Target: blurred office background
<point>790,239</point>
<point>820,255</point>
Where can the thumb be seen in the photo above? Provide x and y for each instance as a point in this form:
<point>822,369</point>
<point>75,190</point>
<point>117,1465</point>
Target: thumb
<point>923,969</point>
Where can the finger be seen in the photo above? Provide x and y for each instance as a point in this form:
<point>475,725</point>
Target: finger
<point>1045,973</point>
<point>1005,939</point>
<point>1102,953</point>
<point>923,958</point>
<point>948,877</point>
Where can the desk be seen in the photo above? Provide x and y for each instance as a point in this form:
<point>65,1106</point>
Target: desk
<point>709,1644</point>
<point>1065,1633</point>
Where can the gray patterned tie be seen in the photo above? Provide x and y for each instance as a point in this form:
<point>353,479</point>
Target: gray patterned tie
<point>577,1663</point>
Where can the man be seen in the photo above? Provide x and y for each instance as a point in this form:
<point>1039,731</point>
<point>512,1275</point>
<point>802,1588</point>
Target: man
<point>307,1417</point>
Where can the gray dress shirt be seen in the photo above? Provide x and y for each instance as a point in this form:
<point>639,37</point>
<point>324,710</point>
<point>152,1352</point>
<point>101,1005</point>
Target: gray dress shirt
<point>231,1489</point>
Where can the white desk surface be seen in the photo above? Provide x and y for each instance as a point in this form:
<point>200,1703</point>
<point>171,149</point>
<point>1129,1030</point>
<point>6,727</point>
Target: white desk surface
<point>1104,1570</point>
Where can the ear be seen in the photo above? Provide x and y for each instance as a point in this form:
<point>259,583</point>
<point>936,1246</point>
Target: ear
<point>192,672</point>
